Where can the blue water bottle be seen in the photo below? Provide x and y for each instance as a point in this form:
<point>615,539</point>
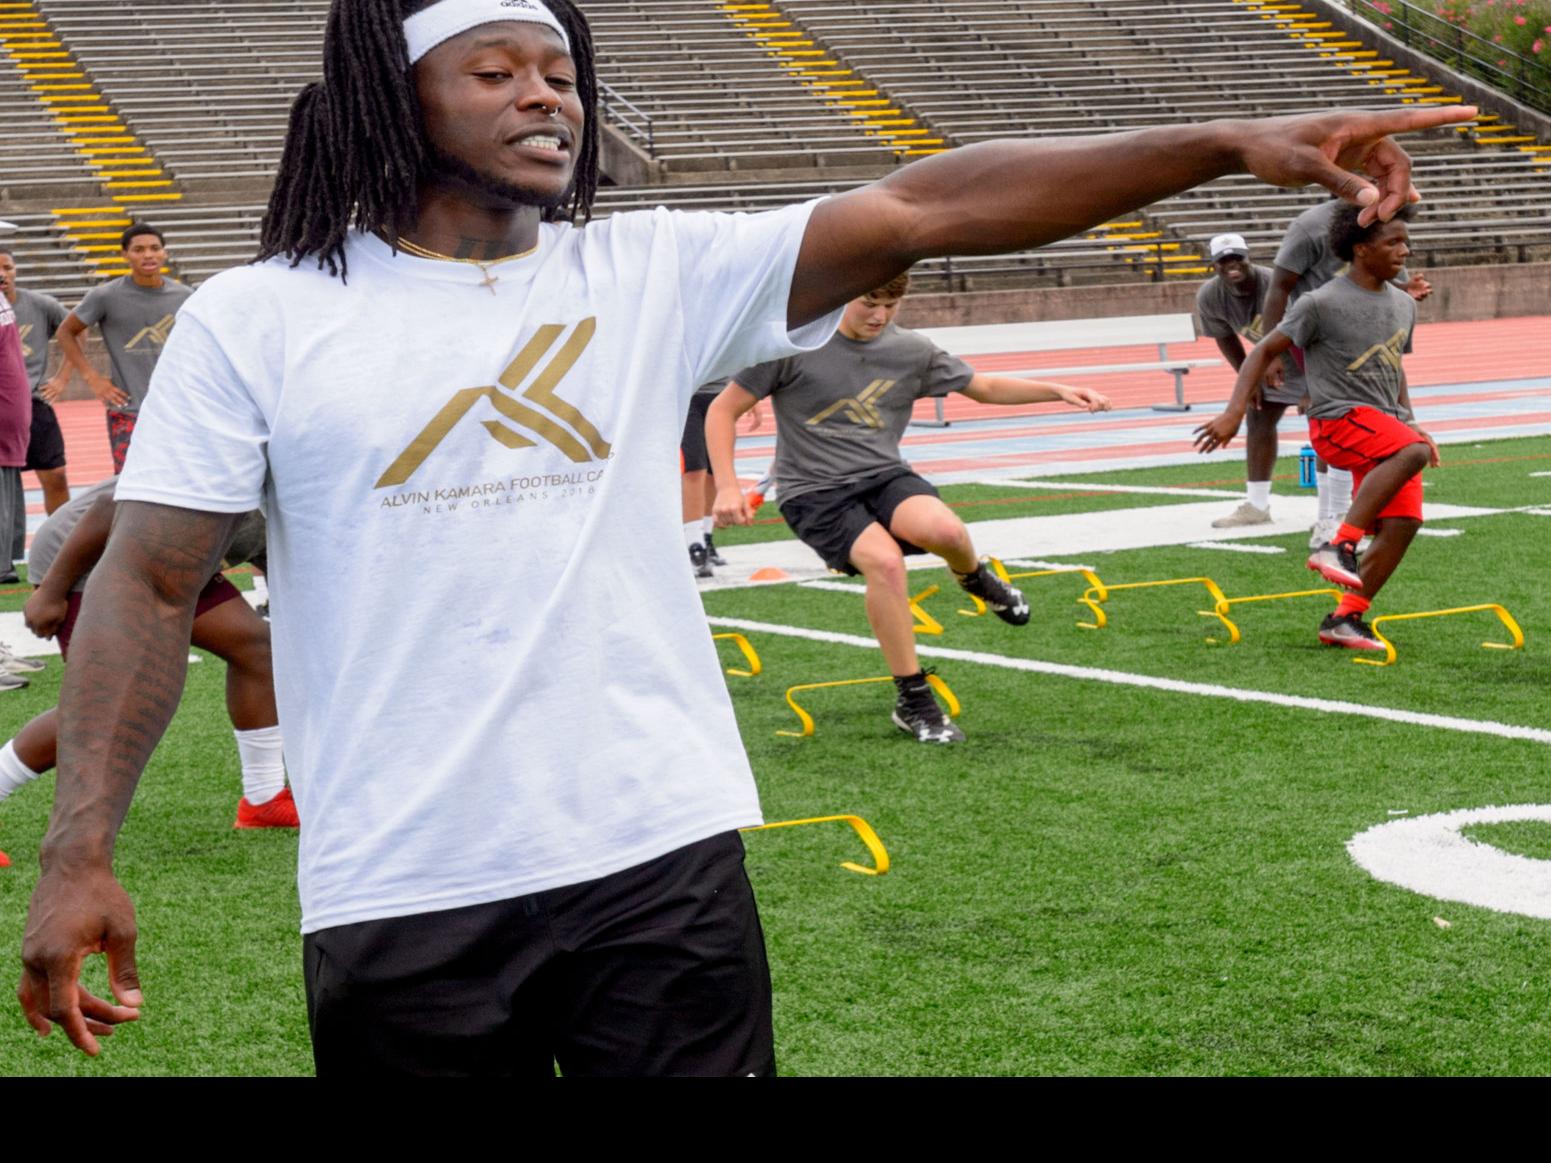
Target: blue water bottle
<point>1306,467</point>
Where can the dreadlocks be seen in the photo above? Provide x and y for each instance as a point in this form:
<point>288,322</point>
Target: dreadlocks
<point>355,147</point>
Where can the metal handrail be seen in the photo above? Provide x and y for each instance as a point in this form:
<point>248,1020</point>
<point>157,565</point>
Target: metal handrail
<point>1524,79</point>
<point>623,112</point>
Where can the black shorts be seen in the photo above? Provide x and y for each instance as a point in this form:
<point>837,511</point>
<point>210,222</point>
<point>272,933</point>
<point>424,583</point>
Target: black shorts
<point>830,521</point>
<point>693,443</point>
<point>46,446</point>
<point>656,970</point>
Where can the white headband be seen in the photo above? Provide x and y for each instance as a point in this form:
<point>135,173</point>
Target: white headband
<point>449,18</point>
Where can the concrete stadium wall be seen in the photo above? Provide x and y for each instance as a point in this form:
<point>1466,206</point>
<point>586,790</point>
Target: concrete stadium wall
<point>1459,293</point>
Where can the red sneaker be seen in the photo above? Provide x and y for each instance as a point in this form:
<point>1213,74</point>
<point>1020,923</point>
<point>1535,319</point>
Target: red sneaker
<point>279,812</point>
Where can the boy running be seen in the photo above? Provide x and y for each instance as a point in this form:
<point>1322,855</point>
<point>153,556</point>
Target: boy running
<point>64,552</point>
<point>846,491</point>
<point>1353,331</point>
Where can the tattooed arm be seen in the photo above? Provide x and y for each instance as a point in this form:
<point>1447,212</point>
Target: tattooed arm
<point>128,660</point>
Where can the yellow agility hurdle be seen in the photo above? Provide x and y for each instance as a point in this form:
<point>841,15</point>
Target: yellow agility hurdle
<point>1389,647</point>
<point>1220,612</point>
<point>925,623</point>
<point>1097,594</point>
<point>981,608</point>
<point>880,855</point>
<point>742,644</point>
<point>807,720</point>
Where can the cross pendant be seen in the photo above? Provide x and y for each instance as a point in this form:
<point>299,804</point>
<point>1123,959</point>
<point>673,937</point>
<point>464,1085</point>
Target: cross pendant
<point>490,280</point>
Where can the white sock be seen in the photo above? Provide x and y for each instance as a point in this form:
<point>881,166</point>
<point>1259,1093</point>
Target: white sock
<point>261,587</point>
<point>707,525</point>
<point>1338,483</point>
<point>692,535</point>
<point>1323,485</point>
<point>263,766</point>
<point>1259,493</point>
<point>14,773</point>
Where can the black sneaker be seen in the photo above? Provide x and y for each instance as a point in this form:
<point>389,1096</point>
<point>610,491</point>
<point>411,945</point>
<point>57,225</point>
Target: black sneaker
<point>712,556</point>
<point>701,561</point>
<point>1350,631</point>
<point>918,713</point>
<point>1003,600</point>
<point>1337,563</point>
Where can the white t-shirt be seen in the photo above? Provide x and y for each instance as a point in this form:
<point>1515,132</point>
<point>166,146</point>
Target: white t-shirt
<point>493,668</point>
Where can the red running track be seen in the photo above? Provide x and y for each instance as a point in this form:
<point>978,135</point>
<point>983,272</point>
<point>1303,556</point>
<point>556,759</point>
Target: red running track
<point>1446,353</point>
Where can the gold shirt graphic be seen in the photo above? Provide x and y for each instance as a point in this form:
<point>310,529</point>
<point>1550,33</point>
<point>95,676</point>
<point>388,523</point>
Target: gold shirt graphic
<point>156,334</point>
<point>1389,352</point>
<point>26,330</point>
<point>581,443</point>
<point>861,409</point>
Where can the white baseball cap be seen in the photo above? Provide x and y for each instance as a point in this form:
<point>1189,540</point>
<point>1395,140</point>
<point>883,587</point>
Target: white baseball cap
<point>1225,244</point>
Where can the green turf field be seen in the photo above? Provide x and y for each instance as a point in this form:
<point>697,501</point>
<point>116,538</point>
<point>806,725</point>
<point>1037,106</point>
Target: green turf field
<point>1107,878</point>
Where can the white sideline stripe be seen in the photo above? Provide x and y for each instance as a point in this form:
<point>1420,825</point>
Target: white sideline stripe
<point>1231,547</point>
<point>1084,486</point>
<point>1177,686</point>
<point>1023,563</point>
<point>833,587</point>
<point>1424,531</point>
<point>1540,474</point>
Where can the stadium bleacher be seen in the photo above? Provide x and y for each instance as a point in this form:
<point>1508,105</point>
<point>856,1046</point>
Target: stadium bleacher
<point>757,104</point>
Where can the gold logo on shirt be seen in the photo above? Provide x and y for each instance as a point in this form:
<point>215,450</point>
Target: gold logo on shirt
<point>861,409</point>
<point>1388,351</point>
<point>156,334</point>
<point>1254,329</point>
<point>581,443</point>
<point>25,329</point>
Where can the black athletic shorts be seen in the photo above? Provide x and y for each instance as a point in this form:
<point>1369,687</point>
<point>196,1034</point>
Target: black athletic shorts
<point>829,521</point>
<point>693,443</point>
<point>656,970</point>
<point>46,447</point>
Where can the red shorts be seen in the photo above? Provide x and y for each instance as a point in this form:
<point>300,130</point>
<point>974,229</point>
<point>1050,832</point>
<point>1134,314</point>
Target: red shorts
<point>217,593</point>
<point>1359,441</point>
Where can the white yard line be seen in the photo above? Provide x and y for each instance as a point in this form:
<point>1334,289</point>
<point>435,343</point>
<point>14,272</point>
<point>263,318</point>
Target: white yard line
<point>1426,532</point>
<point>1175,686</point>
<point>1024,563</point>
<point>1084,486</point>
<point>1230,547</point>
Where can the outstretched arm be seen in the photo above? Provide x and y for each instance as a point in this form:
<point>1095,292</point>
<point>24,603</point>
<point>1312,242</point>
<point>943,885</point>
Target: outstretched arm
<point>721,421</point>
<point>1008,390</point>
<point>1002,196</point>
<point>1217,432</point>
<point>127,665</point>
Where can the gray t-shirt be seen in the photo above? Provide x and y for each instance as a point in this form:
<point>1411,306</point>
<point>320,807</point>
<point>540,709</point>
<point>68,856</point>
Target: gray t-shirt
<point>136,322</point>
<point>39,317</point>
<point>841,410</point>
<point>1352,342</point>
<point>1224,312</point>
<point>246,544</point>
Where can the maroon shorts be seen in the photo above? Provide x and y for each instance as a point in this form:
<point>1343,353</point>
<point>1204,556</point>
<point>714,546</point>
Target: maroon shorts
<point>1359,441</point>
<point>217,593</point>
<point>121,426</point>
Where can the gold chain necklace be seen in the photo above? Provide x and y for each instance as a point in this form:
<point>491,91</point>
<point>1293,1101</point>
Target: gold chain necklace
<point>490,280</point>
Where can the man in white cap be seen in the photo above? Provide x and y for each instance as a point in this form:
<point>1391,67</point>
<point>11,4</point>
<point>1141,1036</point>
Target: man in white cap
<point>1230,306</point>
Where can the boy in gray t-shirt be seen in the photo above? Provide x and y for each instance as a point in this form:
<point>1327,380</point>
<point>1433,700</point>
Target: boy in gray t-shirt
<point>844,488</point>
<point>1354,331</point>
<point>135,314</point>
<point>64,553</point>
